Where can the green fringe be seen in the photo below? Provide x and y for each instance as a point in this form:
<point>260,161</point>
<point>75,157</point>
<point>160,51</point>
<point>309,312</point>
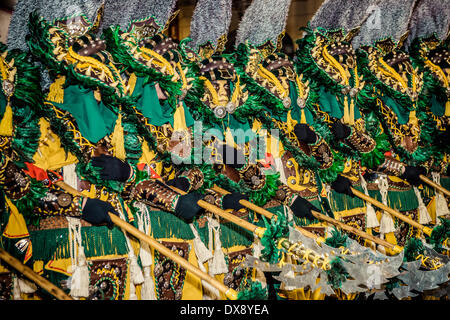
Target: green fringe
<point>398,200</point>
<point>342,202</point>
<point>97,242</point>
<point>166,225</point>
<point>445,182</point>
<point>232,235</point>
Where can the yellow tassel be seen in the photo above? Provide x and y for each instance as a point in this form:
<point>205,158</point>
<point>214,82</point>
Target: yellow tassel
<point>117,140</point>
<point>346,111</point>
<point>412,118</point>
<point>290,122</point>
<point>179,119</point>
<point>131,83</point>
<point>6,127</point>
<point>229,140</point>
<point>352,113</point>
<point>447,109</point>
<point>56,92</point>
<point>303,117</point>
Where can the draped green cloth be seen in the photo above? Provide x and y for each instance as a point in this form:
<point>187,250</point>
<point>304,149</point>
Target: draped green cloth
<point>94,119</point>
<point>149,104</point>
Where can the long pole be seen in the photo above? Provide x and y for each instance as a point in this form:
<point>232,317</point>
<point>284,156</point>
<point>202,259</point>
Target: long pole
<point>33,276</point>
<point>319,216</point>
<point>229,293</point>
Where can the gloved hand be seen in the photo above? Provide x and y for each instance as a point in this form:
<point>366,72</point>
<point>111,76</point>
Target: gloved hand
<point>180,183</point>
<point>340,130</point>
<point>304,133</point>
<point>302,208</point>
<point>112,168</point>
<point>411,175</point>
<point>342,185</point>
<point>443,138</point>
<point>187,207</point>
<point>232,157</point>
<point>231,201</point>
<point>95,211</point>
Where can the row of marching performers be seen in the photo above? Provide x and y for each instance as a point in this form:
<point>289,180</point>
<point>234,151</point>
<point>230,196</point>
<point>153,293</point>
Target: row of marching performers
<point>149,130</point>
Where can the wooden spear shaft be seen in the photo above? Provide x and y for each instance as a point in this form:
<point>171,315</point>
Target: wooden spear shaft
<point>229,293</point>
<point>393,212</point>
<point>298,250</point>
<point>267,213</point>
<point>434,185</point>
<point>319,216</point>
<point>33,276</point>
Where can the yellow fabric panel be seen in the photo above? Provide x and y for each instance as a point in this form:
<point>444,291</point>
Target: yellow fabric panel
<point>38,266</point>
<point>63,266</point>
<point>192,289</point>
<point>50,154</point>
<point>431,207</point>
<point>179,119</point>
<point>16,227</point>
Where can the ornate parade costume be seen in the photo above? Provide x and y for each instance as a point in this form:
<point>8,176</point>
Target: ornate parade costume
<point>329,61</point>
<point>135,166</point>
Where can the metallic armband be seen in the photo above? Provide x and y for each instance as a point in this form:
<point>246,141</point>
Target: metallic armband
<point>195,177</point>
<point>59,203</point>
<point>157,194</point>
<point>391,167</point>
<point>14,181</point>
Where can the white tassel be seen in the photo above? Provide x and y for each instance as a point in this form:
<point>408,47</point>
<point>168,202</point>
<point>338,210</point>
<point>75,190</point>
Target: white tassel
<point>371,216</point>
<point>79,285</point>
<point>70,175</point>
<point>441,203</point>
<point>218,264</point>
<point>80,280</point>
<point>257,247</point>
<point>424,216</point>
<point>148,287</point>
<point>26,286</point>
<point>136,275</point>
<point>148,291</point>
<point>203,255</point>
<point>133,295</point>
<point>387,223</point>
<point>16,289</point>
